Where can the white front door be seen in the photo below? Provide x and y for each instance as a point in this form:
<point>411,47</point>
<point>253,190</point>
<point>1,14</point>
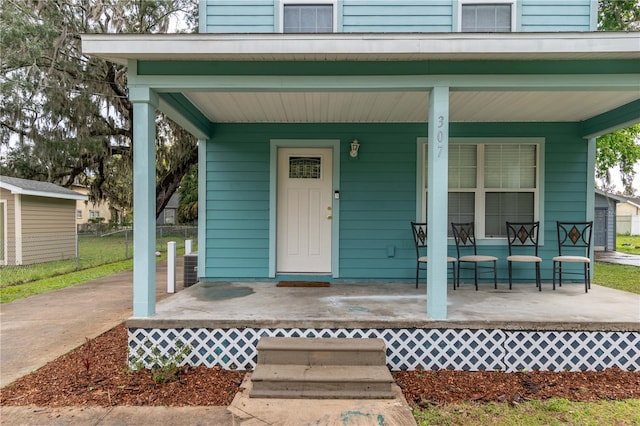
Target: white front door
<point>304,210</point>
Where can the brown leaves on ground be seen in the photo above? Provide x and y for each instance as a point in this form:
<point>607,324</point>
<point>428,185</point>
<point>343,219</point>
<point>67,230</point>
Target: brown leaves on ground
<point>96,374</point>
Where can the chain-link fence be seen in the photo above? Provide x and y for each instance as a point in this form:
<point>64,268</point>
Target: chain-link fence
<point>47,255</point>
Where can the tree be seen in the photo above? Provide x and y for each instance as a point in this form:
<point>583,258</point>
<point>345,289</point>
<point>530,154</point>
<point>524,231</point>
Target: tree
<point>619,15</point>
<point>621,148</point>
<point>188,205</point>
<point>66,117</point>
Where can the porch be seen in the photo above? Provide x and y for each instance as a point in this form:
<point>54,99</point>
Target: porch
<point>566,329</point>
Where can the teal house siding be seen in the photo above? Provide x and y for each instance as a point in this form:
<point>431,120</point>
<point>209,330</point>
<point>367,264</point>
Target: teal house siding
<point>566,179</point>
<point>397,16</point>
<point>377,199</point>
<point>557,15</point>
<point>378,202</point>
<point>237,16</point>
<point>237,226</point>
<point>389,16</point>
<point>377,195</point>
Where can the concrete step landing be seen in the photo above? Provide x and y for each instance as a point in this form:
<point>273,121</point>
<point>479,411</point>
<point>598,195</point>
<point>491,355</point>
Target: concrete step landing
<point>321,369</point>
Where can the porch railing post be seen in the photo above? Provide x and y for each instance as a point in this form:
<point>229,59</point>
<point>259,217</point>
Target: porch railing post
<point>171,267</point>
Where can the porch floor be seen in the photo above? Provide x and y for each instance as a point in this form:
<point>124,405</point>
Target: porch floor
<point>395,305</point>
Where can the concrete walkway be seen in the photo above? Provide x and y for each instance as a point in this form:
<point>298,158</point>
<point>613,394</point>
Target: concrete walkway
<point>618,258</point>
<point>38,329</point>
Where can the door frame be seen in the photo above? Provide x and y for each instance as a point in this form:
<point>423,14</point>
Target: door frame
<point>334,144</point>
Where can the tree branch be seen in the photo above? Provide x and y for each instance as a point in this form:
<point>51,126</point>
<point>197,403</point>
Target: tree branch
<point>14,129</point>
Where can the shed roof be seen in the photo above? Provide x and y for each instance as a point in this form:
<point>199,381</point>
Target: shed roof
<point>39,189</point>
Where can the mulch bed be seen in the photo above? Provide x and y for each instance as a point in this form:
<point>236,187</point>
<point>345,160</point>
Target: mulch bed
<point>96,374</point>
<point>424,388</point>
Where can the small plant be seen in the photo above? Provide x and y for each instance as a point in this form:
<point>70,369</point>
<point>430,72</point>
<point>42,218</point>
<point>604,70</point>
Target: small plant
<point>165,368</point>
<point>86,356</point>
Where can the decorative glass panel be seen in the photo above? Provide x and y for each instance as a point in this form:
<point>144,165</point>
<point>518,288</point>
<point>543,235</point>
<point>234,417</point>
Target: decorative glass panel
<point>304,167</point>
<point>487,18</point>
<point>308,18</point>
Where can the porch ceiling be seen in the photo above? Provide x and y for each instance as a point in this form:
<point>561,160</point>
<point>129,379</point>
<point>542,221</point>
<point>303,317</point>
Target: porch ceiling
<point>405,106</point>
<point>495,96</point>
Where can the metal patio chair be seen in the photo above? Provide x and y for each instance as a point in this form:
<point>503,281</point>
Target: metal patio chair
<point>574,246</point>
<point>419,230</point>
<point>522,238</point>
<point>466,243</point>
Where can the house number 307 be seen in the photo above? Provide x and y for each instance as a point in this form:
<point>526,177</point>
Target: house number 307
<point>440,135</point>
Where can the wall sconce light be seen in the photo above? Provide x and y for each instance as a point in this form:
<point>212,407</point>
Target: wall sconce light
<point>355,146</point>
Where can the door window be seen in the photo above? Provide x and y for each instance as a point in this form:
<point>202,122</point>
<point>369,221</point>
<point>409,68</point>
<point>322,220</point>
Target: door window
<point>305,167</point>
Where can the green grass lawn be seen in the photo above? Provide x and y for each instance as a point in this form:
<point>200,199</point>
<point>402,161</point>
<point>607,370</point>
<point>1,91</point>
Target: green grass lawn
<point>628,244</point>
<point>621,277</point>
<point>93,251</point>
<point>98,257</point>
<point>20,291</point>
<point>548,412</point>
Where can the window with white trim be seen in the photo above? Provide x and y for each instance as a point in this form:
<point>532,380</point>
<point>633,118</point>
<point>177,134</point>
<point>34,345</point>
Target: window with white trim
<point>491,183</point>
<point>308,18</point>
<point>486,17</point>
<point>78,214</point>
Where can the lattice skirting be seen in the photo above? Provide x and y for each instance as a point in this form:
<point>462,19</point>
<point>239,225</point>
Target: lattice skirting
<point>407,349</point>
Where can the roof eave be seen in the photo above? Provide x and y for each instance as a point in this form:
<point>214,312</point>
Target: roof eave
<point>121,48</point>
<point>21,191</point>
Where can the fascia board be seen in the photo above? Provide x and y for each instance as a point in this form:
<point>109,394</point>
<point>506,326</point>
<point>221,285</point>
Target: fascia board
<point>413,46</point>
<point>17,190</point>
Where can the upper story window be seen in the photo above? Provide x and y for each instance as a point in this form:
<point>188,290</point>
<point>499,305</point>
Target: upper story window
<point>486,17</point>
<point>308,18</point>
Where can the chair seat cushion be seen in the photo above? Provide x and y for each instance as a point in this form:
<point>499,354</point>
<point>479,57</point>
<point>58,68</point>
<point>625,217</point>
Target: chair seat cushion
<point>524,258</point>
<point>576,259</point>
<point>477,258</point>
<point>423,259</point>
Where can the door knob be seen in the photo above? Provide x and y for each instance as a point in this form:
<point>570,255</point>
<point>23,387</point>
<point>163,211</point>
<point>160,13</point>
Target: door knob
<point>329,217</point>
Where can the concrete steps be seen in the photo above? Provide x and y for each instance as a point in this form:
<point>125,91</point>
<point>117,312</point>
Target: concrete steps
<point>321,368</point>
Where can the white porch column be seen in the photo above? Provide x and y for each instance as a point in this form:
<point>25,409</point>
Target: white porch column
<point>145,102</point>
<point>438,157</point>
<point>591,194</point>
<point>202,206</point>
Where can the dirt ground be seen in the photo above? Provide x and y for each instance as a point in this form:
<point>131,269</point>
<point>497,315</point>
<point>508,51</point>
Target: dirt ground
<point>96,374</point>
